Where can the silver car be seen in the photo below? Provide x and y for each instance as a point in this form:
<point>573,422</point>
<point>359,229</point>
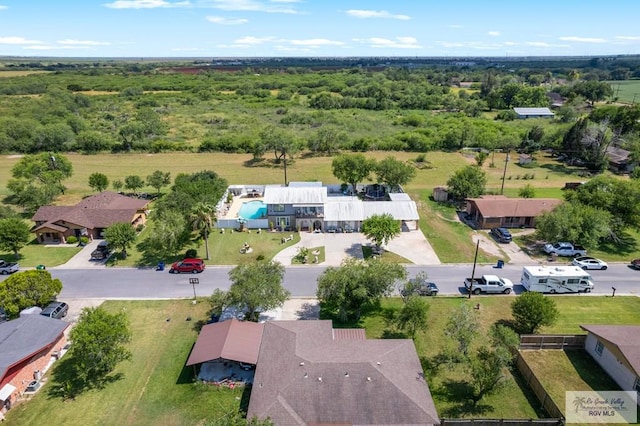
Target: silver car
<point>586,262</point>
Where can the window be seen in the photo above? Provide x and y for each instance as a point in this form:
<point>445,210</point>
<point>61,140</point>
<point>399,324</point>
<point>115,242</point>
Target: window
<point>278,207</point>
<point>542,280</point>
<point>599,348</point>
<point>282,219</point>
<point>573,280</point>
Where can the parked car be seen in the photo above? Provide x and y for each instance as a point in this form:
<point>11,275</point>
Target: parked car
<point>422,289</point>
<point>502,235</point>
<point>101,252</point>
<point>7,268</point>
<point>586,262</point>
<point>190,265</point>
<point>564,249</point>
<point>635,263</point>
<point>56,310</point>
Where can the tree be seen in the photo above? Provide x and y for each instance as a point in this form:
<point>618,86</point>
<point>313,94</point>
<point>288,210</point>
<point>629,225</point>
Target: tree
<point>202,220</point>
<point>380,229</point>
<point>352,169</point>
<point>462,327</point>
<point>168,234</point>
<point>413,315</point>
<point>98,181</point>
<point>356,285</point>
<point>120,235</point>
<point>133,183</point>
<point>593,90</point>
<point>159,180</point>
<point>14,234</point>
<point>394,173</point>
<point>533,310</point>
<point>468,182</point>
<point>37,179</point>
<point>117,185</point>
<point>190,189</point>
<point>257,287</point>
<point>218,300</point>
<point>527,191</point>
<point>27,288</point>
<point>574,221</point>
<point>326,140</point>
<point>99,344</point>
<point>487,372</point>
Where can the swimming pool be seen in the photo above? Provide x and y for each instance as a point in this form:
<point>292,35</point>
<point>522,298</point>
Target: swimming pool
<point>253,210</point>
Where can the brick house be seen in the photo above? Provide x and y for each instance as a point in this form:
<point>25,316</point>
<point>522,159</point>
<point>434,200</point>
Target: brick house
<point>493,211</point>
<point>28,347</point>
<point>90,217</point>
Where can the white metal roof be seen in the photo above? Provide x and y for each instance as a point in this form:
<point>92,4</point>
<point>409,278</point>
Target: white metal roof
<point>399,196</point>
<point>295,195</point>
<point>533,111</point>
<point>304,184</point>
<point>555,271</point>
<point>350,210</point>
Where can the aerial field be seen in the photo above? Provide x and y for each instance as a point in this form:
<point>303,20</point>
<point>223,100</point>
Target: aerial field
<point>626,90</point>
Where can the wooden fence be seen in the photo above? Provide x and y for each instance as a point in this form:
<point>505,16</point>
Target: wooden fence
<point>527,374</point>
<point>500,422</point>
<point>552,341</point>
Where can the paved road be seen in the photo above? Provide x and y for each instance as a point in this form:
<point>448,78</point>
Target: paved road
<point>129,283</point>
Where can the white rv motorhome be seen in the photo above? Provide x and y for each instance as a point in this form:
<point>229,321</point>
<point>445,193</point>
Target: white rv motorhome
<point>556,279</point>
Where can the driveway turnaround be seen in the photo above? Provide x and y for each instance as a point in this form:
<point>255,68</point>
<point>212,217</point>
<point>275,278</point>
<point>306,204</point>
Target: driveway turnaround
<point>82,260</point>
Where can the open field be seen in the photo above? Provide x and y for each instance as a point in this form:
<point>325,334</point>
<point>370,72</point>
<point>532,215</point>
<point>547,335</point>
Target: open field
<point>155,388</point>
<point>12,73</point>
<point>626,90</point>
<point>447,381</point>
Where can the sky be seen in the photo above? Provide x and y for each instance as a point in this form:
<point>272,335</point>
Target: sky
<point>318,28</point>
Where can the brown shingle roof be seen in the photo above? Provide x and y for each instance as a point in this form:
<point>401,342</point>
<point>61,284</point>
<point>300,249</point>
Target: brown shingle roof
<point>514,207</point>
<point>305,376</point>
<point>349,334</point>
<point>231,339</point>
<point>624,338</point>
<point>97,211</point>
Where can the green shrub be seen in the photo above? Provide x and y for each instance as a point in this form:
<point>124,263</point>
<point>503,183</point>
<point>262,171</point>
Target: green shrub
<point>191,253</point>
<point>84,240</point>
<point>72,239</point>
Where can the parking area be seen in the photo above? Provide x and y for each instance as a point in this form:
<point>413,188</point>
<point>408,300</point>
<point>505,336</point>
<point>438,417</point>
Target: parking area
<point>82,260</point>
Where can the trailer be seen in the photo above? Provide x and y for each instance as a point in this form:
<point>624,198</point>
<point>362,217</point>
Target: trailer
<point>556,279</point>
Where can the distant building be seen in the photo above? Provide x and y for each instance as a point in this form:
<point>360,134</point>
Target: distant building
<point>620,160</point>
<point>524,159</point>
<point>523,113</point>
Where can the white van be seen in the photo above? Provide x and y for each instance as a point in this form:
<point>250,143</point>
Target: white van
<point>556,279</point>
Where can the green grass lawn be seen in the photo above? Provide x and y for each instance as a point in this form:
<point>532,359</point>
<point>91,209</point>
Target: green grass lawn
<point>34,254</point>
<point>626,90</point>
<point>447,382</point>
<point>310,257</point>
<point>155,388</point>
<point>387,256</point>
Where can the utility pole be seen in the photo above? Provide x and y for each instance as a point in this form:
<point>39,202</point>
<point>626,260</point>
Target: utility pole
<point>504,173</point>
<point>284,158</point>
<point>473,271</point>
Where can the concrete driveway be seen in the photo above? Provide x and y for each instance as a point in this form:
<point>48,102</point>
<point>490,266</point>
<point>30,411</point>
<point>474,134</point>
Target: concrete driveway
<point>411,245</point>
<point>82,260</point>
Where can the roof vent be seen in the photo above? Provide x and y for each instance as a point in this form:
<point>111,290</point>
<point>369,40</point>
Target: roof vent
<point>301,364</point>
<point>306,375</point>
<point>346,374</point>
<point>368,379</point>
<point>319,379</point>
<point>378,363</point>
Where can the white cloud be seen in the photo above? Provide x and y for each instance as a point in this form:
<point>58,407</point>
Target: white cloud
<point>186,49</point>
<point>50,47</point>
<point>583,39</point>
<point>292,49</point>
<point>397,43</point>
<point>316,42</point>
<point>456,26</point>
<point>628,38</point>
<point>249,40</point>
<point>18,40</point>
<point>83,42</point>
<point>357,13</point>
<point>510,43</point>
<point>224,21</point>
<point>3,7</point>
<point>145,4</point>
<point>255,6</point>
<point>494,33</point>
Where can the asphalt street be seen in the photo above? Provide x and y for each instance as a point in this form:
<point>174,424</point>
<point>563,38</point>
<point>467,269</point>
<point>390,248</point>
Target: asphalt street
<point>131,283</point>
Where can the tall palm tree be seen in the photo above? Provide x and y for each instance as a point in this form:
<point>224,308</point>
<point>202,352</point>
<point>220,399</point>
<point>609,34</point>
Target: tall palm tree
<point>202,219</point>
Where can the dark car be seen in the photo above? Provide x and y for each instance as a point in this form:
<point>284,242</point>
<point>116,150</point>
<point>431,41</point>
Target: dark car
<point>635,264</point>
<point>56,310</point>
<point>101,252</point>
<point>422,289</point>
<point>193,266</point>
<point>501,235</point>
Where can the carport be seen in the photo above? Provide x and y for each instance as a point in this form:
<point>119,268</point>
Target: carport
<point>224,349</point>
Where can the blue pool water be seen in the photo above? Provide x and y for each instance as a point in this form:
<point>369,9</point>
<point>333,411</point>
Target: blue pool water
<point>253,210</point>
